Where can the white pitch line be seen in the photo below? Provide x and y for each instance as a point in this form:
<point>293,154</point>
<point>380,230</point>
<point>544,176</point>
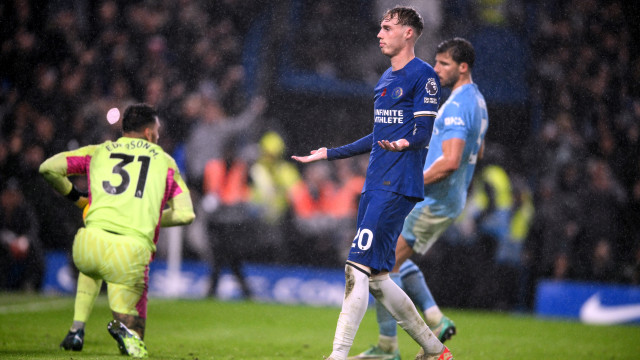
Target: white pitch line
<point>35,306</point>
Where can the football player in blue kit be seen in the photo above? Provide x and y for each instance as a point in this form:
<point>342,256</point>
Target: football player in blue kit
<point>456,144</point>
<point>405,105</point>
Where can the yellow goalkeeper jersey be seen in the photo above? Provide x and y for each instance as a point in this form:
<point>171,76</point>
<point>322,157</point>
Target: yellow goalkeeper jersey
<point>131,182</point>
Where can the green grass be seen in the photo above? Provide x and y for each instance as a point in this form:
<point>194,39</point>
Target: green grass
<point>31,327</point>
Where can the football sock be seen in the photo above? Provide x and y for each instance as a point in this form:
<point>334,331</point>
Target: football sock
<point>433,316</point>
<point>402,309</point>
<point>86,293</point>
<point>354,306</point>
<point>387,325</point>
<point>416,287</point>
<point>388,343</point>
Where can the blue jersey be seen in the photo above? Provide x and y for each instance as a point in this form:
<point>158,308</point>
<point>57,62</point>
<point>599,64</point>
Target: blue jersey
<point>405,106</point>
<point>463,116</point>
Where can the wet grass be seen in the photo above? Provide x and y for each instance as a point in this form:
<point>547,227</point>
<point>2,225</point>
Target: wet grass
<point>31,327</point>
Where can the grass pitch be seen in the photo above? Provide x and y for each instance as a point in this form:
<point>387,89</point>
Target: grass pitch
<point>31,327</point>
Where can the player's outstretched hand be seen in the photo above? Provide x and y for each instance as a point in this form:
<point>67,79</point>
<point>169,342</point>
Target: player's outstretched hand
<point>398,145</point>
<point>320,154</point>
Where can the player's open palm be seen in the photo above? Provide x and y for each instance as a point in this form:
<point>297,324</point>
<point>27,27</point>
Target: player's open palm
<point>395,146</point>
<point>320,154</point>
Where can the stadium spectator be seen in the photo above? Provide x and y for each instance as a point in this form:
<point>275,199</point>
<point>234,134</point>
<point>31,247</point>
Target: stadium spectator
<point>349,180</point>
<point>604,200</point>
<point>214,127</point>
<point>21,257</point>
<point>272,178</point>
<point>230,214</point>
<point>312,206</point>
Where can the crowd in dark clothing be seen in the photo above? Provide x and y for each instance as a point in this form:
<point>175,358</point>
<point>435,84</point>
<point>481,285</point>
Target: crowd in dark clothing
<point>65,64</point>
<point>586,156</point>
<point>580,161</point>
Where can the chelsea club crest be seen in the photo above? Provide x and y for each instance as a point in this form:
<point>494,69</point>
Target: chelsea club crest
<point>397,92</point>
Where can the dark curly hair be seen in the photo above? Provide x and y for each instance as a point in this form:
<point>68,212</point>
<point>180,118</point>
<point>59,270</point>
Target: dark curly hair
<point>460,50</point>
<point>137,117</point>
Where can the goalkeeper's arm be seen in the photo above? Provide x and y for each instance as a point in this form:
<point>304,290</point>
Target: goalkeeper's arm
<point>54,171</point>
<point>180,211</point>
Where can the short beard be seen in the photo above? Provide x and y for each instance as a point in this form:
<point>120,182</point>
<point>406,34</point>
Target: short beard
<point>450,83</point>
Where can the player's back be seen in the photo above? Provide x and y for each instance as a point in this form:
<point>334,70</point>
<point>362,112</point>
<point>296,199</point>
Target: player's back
<point>128,179</point>
<point>464,115</point>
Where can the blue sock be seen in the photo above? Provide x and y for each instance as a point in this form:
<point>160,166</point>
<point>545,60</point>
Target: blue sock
<point>416,286</point>
<point>386,323</point>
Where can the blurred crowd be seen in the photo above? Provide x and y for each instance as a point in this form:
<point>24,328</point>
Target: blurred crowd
<point>566,207</point>
<point>586,156</point>
<point>565,204</point>
<point>66,63</point>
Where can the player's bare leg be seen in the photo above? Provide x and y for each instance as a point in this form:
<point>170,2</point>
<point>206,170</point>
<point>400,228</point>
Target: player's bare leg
<point>128,331</point>
<point>403,252</point>
<point>132,322</point>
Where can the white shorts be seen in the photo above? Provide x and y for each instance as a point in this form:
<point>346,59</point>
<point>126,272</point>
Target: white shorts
<point>421,228</point>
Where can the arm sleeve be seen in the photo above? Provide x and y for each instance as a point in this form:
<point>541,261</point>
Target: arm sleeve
<point>180,211</point>
<point>180,208</point>
<point>422,132</point>
<point>56,168</point>
<point>357,147</point>
<point>425,108</point>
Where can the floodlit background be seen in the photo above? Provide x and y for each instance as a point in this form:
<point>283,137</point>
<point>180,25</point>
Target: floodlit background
<point>553,221</point>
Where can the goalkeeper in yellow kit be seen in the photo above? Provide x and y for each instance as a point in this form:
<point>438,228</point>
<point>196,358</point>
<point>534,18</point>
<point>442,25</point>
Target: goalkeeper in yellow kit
<point>134,188</point>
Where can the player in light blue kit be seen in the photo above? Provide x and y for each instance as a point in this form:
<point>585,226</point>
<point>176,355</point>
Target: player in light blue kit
<point>456,144</point>
<point>406,102</point>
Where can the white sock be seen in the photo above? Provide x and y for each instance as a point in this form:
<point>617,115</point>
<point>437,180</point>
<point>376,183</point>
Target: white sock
<point>388,343</point>
<point>77,325</point>
<point>432,316</point>
<point>402,309</point>
<point>354,306</point>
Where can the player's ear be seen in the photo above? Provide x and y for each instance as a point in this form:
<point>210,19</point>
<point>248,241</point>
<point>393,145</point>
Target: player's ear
<point>463,67</point>
<point>148,134</point>
<point>409,33</point>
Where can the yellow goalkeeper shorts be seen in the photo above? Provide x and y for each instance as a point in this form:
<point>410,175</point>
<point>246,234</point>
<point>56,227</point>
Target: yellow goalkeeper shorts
<point>119,260</point>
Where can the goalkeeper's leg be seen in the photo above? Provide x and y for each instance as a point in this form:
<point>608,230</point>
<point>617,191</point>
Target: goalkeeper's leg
<point>128,304</point>
<point>86,293</point>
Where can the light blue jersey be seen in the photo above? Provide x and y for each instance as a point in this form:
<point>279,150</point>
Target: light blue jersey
<point>463,116</point>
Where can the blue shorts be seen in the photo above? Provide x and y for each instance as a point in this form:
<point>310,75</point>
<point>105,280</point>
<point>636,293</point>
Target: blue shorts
<point>381,215</point>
